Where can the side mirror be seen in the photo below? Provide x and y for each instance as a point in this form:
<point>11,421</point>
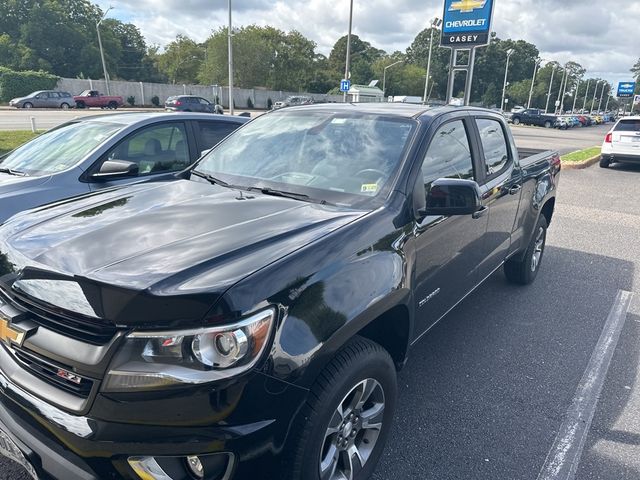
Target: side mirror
<point>452,196</point>
<point>115,169</point>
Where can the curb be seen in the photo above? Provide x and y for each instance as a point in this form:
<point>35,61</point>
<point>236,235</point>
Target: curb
<point>580,165</point>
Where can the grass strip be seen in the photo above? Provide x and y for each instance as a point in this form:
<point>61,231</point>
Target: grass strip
<point>581,155</point>
<point>14,138</point>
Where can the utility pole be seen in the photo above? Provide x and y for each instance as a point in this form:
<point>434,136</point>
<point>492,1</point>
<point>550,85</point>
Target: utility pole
<point>230,32</point>
<point>104,64</point>
<point>584,104</point>
<point>533,80</point>
<point>506,71</point>
<point>347,66</point>
<point>553,71</point>
<point>384,75</point>
<point>435,23</point>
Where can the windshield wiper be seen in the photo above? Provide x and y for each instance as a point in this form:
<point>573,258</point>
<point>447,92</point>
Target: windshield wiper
<point>11,171</point>
<point>282,193</point>
<point>212,179</point>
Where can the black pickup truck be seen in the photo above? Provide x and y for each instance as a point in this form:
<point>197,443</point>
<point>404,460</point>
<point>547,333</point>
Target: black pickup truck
<point>533,116</point>
<point>247,319</point>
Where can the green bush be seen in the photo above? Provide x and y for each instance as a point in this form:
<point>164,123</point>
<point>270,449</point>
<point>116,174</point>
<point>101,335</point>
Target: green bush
<point>249,103</point>
<point>131,100</point>
<point>18,84</point>
<point>155,101</point>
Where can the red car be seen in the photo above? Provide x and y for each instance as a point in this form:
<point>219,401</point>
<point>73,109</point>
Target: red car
<point>93,98</point>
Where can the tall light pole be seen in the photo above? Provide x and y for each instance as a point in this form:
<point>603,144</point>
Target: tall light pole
<point>553,71</point>
<point>384,75</point>
<point>230,32</point>
<point>606,107</point>
<point>575,96</point>
<point>584,104</point>
<point>533,80</point>
<point>561,92</point>
<point>348,60</point>
<point>594,96</point>
<point>435,23</point>
<point>104,64</point>
<point>605,85</point>
<point>506,71</point>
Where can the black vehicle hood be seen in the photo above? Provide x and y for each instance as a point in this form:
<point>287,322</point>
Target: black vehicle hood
<point>99,254</point>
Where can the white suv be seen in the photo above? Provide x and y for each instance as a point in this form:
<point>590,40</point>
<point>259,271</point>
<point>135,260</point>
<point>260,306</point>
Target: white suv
<point>622,143</point>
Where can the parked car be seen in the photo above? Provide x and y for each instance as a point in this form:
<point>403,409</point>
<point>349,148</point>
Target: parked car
<point>93,98</point>
<point>44,99</point>
<point>622,142</point>
<point>95,153</point>
<point>533,116</point>
<point>292,101</point>
<point>191,103</point>
<point>253,314</point>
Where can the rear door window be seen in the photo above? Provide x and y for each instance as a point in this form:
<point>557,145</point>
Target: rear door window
<point>212,133</point>
<point>628,126</point>
<point>494,145</point>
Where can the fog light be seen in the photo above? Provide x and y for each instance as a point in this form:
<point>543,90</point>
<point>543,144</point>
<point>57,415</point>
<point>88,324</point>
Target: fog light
<point>195,466</point>
<point>147,468</point>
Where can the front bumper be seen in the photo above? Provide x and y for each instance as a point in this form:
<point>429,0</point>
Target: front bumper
<point>250,430</point>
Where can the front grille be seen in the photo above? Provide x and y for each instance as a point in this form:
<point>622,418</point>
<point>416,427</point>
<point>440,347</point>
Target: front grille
<point>51,373</point>
<point>78,327</point>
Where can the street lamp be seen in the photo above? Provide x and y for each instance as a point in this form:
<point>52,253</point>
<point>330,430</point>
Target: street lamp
<point>584,104</point>
<point>384,76</point>
<point>348,59</point>
<point>230,35</point>
<point>104,64</point>
<point>533,80</point>
<point>553,71</point>
<point>506,71</point>
<point>594,96</point>
<point>606,84</point>
<point>575,96</point>
<point>563,86</point>
<point>435,23</point>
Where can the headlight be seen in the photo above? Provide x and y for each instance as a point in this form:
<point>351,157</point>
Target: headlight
<point>159,360</point>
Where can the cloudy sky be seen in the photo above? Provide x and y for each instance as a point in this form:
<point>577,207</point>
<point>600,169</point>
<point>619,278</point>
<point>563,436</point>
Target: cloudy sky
<point>601,35</point>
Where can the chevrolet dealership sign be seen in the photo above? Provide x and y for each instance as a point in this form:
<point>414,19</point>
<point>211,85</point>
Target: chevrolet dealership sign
<point>466,23</point>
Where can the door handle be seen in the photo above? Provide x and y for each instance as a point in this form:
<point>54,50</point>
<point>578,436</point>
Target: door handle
<point>480,213</point>
<point>515,189</point>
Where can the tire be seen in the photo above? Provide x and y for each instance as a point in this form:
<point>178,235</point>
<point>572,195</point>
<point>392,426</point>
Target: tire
<point>27,105</point>
<point>604,162</point>
<point>362,368</point>
<point>80,105</point>
<point>547,124</point>
<point>112,105</point>
<point>516,121</point>
<point>525,270</point>
<point>64,106</point>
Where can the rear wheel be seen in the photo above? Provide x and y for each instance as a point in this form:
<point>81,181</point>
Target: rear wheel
<point>547,124</point>
<point>27,105</point>
<point>64,106</point>
<point>516,121</point>
<point>342,428</point>
<point>112,105</point>
<point>525,270</point>
<point>604,162</point>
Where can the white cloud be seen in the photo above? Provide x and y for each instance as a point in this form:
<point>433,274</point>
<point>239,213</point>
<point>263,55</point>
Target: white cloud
<point>599,34</point>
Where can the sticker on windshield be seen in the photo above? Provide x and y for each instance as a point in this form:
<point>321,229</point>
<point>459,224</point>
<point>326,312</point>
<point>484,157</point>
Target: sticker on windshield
<point>369,188</point>
<point>339,121</point>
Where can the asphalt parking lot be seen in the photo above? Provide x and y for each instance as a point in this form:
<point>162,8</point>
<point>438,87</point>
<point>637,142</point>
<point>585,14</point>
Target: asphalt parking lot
<point>487,392</point>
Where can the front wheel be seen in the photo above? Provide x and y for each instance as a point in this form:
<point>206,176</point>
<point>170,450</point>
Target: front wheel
<point>27,105</point>
<point>516,121</point>
<point>64,106</point>
<point>342,428</point>
<point>547,124</point>
<point>525,270</point>
<point>112,105</point>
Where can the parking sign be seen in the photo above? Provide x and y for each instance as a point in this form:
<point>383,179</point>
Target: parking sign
<point>345,85</point>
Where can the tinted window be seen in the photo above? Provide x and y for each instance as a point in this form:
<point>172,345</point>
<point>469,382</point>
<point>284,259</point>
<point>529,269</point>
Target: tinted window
<point>449,154</point>
<point>494,145</point>
<point>203,101</point>
<point>628,126</point>
<point>211,133</point>
<point>157,149</point>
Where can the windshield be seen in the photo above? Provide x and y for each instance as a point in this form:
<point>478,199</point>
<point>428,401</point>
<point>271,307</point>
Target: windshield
<point>339,158</point>
<point>58,149</point>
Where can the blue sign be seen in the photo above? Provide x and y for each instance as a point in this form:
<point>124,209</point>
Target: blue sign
<point>466,23</point>
<point>345,85</point>
<point>626,89</point>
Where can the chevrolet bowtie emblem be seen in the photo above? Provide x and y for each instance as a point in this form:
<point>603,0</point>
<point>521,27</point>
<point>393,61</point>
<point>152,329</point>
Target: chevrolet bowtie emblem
<point>466,6</point>
<point>10,335</point>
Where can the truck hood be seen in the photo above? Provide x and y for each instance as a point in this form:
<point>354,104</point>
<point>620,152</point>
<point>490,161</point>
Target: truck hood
<point>100,254</point>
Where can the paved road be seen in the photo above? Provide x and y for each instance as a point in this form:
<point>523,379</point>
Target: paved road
<point>486,392</point>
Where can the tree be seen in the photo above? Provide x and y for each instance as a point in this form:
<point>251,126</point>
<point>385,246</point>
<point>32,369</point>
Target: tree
<point>181,60</point>
<point>363,55</point>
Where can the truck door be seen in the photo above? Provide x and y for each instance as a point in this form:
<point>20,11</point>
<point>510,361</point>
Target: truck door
<point>501,183</point>
<point>447,248</point>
